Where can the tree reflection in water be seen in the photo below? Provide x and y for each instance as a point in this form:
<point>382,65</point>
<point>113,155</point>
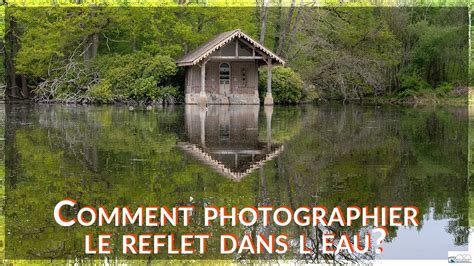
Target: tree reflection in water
<point>334,155</point>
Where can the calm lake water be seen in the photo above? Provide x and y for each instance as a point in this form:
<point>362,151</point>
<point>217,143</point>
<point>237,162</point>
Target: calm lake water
<point>237,156</point>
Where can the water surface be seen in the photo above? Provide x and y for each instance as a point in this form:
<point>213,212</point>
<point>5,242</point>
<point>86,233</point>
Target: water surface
<point>236,156</point>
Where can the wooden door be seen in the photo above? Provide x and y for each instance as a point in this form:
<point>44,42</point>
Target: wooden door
<point>224,79</point>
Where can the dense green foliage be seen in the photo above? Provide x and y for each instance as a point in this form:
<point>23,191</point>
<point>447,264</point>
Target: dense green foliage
<point>106,54</point>
<point>56,54</point>
<point>137,76</point>
<point>375,52</point>
<point>232,3</point>
<point>287,86</point>
<point>434,53</point>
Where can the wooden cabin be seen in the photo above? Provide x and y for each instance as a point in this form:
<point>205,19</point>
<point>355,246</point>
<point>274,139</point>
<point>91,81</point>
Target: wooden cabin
<point>225,70</point>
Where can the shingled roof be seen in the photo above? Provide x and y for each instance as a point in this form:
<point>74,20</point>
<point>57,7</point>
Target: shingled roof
<point>206,49</point>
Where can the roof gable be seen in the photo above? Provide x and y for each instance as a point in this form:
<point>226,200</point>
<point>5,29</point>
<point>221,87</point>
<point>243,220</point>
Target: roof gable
<point>206,49</point>
<point>220,167</point>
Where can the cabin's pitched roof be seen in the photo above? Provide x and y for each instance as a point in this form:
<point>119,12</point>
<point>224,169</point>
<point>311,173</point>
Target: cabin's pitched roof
<point>219,41</point>
<point>206,158</point>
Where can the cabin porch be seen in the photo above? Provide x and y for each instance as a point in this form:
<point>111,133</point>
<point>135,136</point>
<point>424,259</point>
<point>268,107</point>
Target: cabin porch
<point>226,82</point>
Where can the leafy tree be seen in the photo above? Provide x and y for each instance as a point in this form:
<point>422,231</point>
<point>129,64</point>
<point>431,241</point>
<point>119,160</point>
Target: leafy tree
<point>287,86</point>
<point>137,76</point>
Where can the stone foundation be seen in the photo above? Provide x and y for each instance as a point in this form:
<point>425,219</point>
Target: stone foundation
<point>193,98</point>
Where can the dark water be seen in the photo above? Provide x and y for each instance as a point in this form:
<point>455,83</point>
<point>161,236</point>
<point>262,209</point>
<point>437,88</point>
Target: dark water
<point>237,156</point>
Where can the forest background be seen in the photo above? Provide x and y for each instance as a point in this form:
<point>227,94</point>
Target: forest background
<point>86,52</point>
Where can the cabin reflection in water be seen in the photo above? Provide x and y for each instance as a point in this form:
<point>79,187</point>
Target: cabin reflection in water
<point>226,137</point>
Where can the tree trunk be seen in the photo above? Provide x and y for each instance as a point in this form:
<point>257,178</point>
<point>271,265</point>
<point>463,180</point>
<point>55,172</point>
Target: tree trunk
<point>91,47</point>
<point>134,43</point>
<point>10,55</point>
<point>263,26</point>
<point>277,27</point>
<point>94,45</point>
<point>258,15</point>
<point>295,25</point>
<point>85,53</point>
<point>286,29</point>
<point>24,87</point>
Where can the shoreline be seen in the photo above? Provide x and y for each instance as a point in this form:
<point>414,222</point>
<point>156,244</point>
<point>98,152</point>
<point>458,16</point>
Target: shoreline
<point>433,100</point>
<point>450,102</point>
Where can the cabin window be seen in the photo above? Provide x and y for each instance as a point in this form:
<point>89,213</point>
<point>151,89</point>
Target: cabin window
<point>244,77</point>
<point>224,73</point>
